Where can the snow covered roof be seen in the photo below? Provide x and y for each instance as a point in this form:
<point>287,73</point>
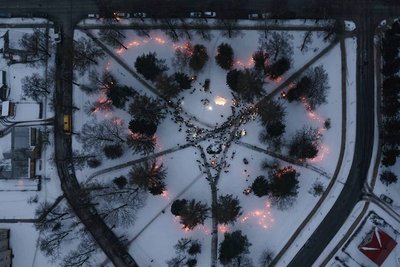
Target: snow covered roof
<point>5,108</point>
<point>377,246</point>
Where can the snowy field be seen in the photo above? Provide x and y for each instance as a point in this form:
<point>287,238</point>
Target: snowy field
<point>266,226</point>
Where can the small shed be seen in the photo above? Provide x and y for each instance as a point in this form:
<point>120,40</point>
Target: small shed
<point>7,109</point>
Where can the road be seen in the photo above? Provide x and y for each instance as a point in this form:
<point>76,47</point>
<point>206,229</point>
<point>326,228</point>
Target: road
<point>68,12</point>
<point>352,190</point>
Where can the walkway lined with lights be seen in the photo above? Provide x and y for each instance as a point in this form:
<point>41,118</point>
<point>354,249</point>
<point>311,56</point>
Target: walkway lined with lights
<point>285,158</point>
<point>140,79</point>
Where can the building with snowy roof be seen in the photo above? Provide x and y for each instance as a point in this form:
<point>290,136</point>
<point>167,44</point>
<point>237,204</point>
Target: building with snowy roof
<point>5,251</point>
<point>377,246</point>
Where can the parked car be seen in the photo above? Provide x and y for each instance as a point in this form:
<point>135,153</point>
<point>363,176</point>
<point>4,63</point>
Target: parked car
<point>254,16</point>
<point>266,15</point>
<point>93,16</point>
<point>40,14</point>
<point>5,14</point>
<point>387,199</point>
<point>210,14</point>
<point>57,37</point>
<point>139,15</point>
<point>196,14</point>
<point>119,15</point>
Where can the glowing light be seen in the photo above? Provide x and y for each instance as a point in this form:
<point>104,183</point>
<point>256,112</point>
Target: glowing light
<point>323,152</point>
<point>243,132</point>
<point>133,44</point>
<point>209,108</point>
<point>117,121</point>
<point>291,85</point>
<point>220,101</point>
<point>245,63</point>
<point>223,228</point>
<point>159,40</point>
<point>278,79</point>
<point>314,116</point>
<point>262,217</point>
<point>165,194</point>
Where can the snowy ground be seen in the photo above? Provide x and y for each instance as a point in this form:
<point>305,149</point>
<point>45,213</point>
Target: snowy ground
<point>351,45</point>
<point>259,218</point>
<point>18,204</point>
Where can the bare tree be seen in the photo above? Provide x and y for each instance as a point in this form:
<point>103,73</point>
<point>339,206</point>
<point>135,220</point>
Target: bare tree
<point>82,255</point>
<point>94,136</point>
<point>112,37</point>
<point>38,42</point>
<point>229,27</point>
<point>202,29</point>
<point>36,87</point>
<point>86,53</point>
<point>116,202</point>
<point>58,225</point>
<point>172,29</point>
<point>97,83</point>
<point>141,143</point>
<point>79,159</point>
<point>277,45</point>
<point>307,41</point>
<point>266,258</point>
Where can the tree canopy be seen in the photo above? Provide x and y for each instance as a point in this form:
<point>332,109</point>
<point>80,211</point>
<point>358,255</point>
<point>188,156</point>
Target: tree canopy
<point>150,66</point>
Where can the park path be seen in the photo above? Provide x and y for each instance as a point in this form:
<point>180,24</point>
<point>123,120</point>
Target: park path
<point>272,94</point>
<point>142,80</point>
<point>285,158</point>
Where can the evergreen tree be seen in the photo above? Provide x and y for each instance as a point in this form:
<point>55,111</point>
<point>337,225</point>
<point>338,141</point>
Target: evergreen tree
<point>184,81</point>
<point>232,78</point>
<point>283,187</point>
<point>299,90</point>
<point>228,209</point>
<point>193,213</point>
<point>148,176</point>
<point>119,95</point>
<point>260,59</point>
<point>305,143</point>
<point>199,57</point>
<point>224,57</point>
<point>150,66</point>
<point>260,186</point>
<point>141,143</point>
<point>247,83</point>
<point>147,109</point>
<point>387,177</point>
<point>113,151</point>
<point>142,127</point>
<point>234,246</point>
<point>168,86</point>
<point>270,112</point>
<point>120,181</point>
<point>94,162</point>
<point>275,129</point>
<point>389,156</point>
<point>178,206</point>
<point>278,68</point>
